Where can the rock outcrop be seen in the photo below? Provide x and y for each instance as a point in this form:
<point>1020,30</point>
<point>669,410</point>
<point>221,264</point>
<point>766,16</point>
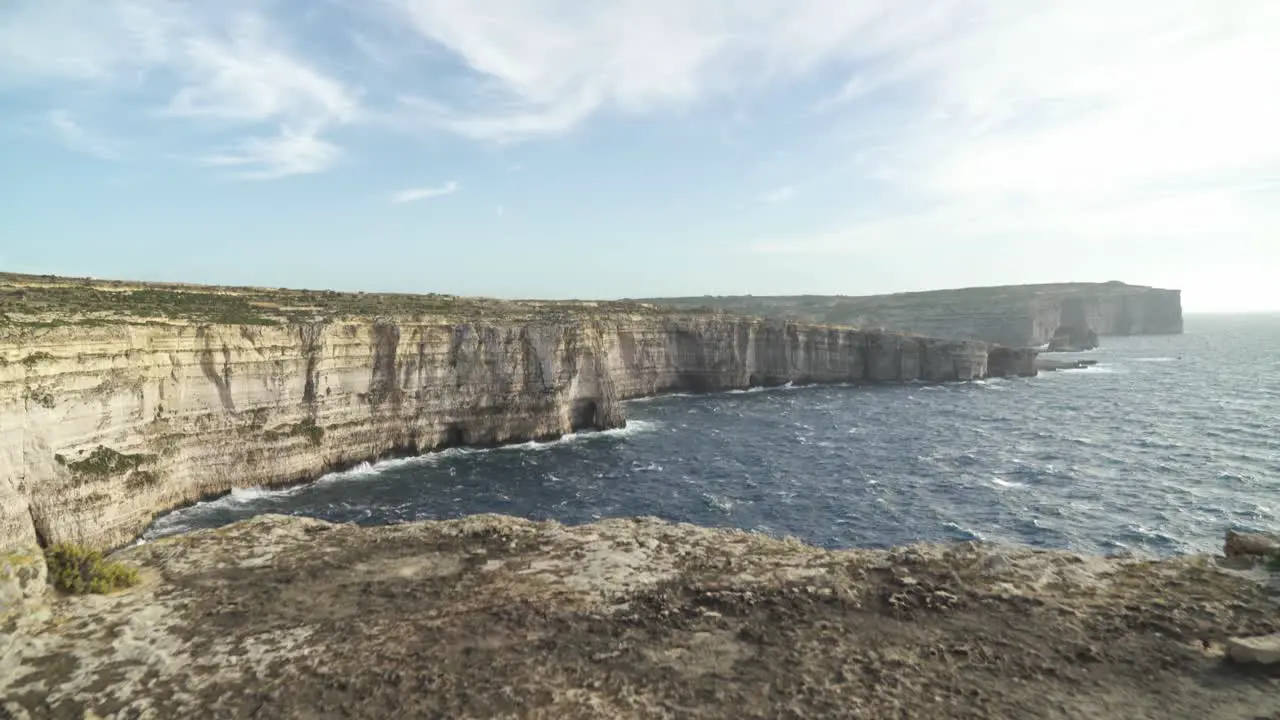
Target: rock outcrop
<point>1069,316</point>
<point>105,422</point>
<point>496,617</point>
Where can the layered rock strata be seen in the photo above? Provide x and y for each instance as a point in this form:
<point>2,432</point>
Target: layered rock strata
<point>104,425</point>
<point>1068,316</point>
<point>495,617</point>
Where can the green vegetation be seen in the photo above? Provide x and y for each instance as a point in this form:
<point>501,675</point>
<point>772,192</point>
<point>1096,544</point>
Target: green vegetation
<point>79,570</point>
<point>35,357</point>
<point>43,399</point>
<point>105,461</point>
<point>141,480</point>
<point>45,301</point>
<point>1273,562</point>
<point>307,428</point>
<point>311,430</point>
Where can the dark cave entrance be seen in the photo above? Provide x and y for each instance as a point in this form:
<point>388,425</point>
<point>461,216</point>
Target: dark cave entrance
<point>754,381</point>
<point>454,436</point>
<point>586,415</point>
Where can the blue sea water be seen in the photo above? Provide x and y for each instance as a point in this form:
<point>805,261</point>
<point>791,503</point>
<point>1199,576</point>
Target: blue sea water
<point>1158,449</point>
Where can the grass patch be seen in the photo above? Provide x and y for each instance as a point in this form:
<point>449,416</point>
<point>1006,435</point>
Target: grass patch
<point>79,570</point>
<point>35,357</point>
<point>105,461</point>
<point>142,480</point>
<point>309,429</point>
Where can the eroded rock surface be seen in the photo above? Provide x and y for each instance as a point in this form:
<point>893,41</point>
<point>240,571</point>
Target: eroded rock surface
<point>493,617</point>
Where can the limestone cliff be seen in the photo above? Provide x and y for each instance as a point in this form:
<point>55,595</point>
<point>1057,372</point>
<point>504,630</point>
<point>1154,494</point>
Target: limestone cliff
<point>1068,316</point>
<point>104,426</point>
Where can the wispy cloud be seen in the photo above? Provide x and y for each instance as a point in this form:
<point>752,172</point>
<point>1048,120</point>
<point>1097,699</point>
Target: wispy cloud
<point>424,193</point>
<point>956,120</point>
<point>289,153</point>
<point>75,137</point>
<point>220,71</point>
<point>778,195</point>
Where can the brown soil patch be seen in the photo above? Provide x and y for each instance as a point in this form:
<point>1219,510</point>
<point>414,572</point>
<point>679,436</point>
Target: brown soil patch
<point>495,617</point>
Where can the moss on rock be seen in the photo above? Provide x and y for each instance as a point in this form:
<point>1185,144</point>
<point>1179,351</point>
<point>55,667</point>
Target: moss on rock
<point>105,461</point>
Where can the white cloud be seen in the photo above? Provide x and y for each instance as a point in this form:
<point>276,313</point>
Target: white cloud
<point>248,77</point>
<point>224,68</point>
<point>1079,122</point>
<point>43,41</point>
<point>288,153</point>
<point>424,193</point>
<point>545,66</point>
<point>963,120</point>
<point>778,195</point>
<point>75,137</point>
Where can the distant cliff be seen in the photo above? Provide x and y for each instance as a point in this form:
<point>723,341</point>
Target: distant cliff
<point>1066,316</point>
<point>106,421</point>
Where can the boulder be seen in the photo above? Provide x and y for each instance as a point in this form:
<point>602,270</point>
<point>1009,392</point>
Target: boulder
<point>1240,544</point>
<point>1260,650</point>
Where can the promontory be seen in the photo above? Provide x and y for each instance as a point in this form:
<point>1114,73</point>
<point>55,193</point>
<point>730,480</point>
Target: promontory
<point>1062,316</point>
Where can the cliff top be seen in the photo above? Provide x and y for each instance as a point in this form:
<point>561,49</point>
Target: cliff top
<point>493,616</point>
<point>978,295</point>
<point>52,301</point>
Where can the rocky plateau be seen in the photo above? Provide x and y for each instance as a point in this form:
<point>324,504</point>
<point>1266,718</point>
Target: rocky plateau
<point>496,617</point>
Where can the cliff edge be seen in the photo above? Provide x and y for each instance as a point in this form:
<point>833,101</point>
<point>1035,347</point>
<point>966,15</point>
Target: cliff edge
<point>119,401</point>
<point>1066,316</point>
<point>496,617</point>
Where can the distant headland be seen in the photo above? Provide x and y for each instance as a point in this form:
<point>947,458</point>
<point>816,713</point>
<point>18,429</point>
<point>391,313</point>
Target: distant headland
<point>1063,316</point>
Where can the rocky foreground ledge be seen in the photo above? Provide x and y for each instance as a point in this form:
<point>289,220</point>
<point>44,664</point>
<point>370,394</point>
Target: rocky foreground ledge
<point>490,616</point>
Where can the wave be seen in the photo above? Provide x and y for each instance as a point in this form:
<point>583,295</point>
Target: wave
<point>651,398</point>
<point>1090,370</point>
<point>964,532</point>
<point>188,518</point>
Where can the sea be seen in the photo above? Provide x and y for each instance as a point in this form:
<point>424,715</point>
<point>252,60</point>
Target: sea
<point>1159,448</point>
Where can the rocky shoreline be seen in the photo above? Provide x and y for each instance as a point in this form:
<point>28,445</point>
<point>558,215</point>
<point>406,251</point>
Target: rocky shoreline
<point>497,617</point>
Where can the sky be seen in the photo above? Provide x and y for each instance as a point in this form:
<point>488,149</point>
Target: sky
<point>629,148</point>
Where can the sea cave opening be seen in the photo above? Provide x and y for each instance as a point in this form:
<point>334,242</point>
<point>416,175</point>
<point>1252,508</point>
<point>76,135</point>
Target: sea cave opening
<point>585,415</point>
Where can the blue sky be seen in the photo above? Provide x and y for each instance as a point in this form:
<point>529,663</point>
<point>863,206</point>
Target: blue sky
<point>645,147</point>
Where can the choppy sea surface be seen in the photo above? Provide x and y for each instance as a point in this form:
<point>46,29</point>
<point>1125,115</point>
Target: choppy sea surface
<point>1158,449</point>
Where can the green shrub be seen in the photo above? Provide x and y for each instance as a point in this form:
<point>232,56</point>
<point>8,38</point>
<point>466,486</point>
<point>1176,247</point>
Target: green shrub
<point>79,570</point>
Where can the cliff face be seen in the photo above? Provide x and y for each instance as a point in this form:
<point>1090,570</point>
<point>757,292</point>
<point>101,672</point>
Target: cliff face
<point>103,427</point>
<point>1071,316</point>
